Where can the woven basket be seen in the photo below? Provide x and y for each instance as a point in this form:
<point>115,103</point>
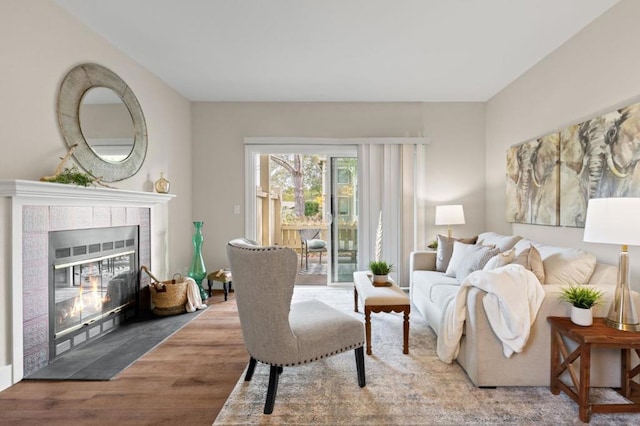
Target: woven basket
<point>168,297</point>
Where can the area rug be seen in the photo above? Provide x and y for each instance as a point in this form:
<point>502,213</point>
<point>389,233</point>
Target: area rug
<point>107,356</point>
<point>413,389</point>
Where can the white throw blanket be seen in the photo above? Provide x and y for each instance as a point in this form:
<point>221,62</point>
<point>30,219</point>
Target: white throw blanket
<point>194,300</point>
<point>514,296</point>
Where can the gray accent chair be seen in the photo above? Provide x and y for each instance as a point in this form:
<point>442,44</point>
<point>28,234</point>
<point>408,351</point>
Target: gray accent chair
<point>310,242</point>
<point>278,332</point>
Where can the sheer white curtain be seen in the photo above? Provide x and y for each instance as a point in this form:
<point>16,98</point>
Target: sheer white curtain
<point>391,181</point>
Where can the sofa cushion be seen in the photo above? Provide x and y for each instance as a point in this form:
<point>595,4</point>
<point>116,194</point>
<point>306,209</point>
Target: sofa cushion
<point>433,285</point>
<point>530,259</point>
<point>474,260</point>
<point>445,250</point>
<point>440,293</point>
<point>566,266</point>
<point>429,292</point>
<point>500,259</point>
<point>503,242</point>
<point>604,274</point>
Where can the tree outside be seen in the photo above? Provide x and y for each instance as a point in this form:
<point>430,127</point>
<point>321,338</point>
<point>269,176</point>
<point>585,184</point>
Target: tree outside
<point>300,177</point>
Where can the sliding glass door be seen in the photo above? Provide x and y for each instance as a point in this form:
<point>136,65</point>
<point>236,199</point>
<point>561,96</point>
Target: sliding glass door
<point>334,198</point>
<point>344,212</point>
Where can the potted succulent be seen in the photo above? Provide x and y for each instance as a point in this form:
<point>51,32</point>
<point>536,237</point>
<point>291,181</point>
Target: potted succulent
<point>380,270</point>
<point>582,299</point>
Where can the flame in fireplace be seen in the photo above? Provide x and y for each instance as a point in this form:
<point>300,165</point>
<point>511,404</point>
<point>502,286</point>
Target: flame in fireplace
<point>96,299</point>
<point>91,298</point>
<point>78,303</point>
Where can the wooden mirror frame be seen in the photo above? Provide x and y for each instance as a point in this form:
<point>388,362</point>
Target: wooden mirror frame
<point>74,86</point>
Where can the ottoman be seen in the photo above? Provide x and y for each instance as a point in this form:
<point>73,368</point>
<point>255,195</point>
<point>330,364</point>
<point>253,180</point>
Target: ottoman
<point>390,298</point>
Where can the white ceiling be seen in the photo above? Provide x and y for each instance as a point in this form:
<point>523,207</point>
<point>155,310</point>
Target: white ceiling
<point>337,50</point>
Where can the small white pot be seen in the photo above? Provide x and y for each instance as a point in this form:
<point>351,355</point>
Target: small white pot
<point>381,278</point>
<point>581,316</point>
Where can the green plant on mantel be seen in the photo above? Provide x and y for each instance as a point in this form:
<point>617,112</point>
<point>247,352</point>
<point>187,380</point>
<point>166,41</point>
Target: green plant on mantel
<point>380,267</point>
<point>70,176</point>
<point>583,297</point>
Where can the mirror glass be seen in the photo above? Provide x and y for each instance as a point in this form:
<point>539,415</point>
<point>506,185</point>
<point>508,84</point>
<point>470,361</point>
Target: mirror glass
<point>106,124</point>
<point>102,122</point>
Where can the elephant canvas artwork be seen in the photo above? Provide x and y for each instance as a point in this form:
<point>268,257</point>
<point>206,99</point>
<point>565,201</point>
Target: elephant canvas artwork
<point>533,184</point>
<point>597,158</point>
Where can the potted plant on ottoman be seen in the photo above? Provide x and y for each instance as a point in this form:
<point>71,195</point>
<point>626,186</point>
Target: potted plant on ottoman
<point>380,270</point>
<point>582,299</point>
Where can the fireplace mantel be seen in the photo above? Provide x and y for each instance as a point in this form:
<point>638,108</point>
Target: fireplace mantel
<point>96,195</point>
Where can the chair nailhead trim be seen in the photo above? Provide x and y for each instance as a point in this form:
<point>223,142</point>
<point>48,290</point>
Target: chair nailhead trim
<point>358,345</point>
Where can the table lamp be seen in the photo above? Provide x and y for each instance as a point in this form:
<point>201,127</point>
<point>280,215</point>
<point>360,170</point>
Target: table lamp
<point>616,221</point>
<point>449,215</point>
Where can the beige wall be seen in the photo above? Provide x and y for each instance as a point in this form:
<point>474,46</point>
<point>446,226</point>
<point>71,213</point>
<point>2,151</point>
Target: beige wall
<point>218,153</point>
<point>594,72</point>
<point>40,43</point>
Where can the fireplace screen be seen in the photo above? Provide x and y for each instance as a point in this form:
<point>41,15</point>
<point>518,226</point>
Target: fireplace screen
<point>93,284</point>
<point>87,290</point>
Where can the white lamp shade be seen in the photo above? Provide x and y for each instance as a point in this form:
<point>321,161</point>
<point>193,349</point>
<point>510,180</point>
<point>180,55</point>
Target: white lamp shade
<point>613,221</point>
<point>450,215</point>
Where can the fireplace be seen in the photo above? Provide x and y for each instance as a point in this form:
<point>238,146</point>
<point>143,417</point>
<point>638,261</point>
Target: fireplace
<point>93,284</point>
<point>31,210</point>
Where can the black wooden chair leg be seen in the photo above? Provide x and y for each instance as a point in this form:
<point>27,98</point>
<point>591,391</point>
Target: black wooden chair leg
<point>360,366</point>
<point>252,366</point>
<point>274,375</point>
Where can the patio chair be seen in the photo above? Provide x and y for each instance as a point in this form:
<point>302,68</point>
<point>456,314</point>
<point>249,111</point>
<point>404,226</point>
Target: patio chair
<point>278,332</point>
<point>311,243</point>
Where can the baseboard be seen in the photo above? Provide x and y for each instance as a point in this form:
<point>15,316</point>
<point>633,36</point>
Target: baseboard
<point>5,377</point>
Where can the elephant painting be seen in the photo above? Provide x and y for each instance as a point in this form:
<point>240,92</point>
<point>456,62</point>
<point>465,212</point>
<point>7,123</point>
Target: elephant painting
<point>550,180</point>
<point>574,182</point>
<point>533,181</point>
<point>599,158</point>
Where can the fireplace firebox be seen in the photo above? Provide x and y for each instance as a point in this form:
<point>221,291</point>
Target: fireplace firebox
<point>93,284</point>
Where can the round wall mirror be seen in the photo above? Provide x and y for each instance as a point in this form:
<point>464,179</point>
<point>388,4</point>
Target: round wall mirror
<point>106,124</point>
<point>99,114</point>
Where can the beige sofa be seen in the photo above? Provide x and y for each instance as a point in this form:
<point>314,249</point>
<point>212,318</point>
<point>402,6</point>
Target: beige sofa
<point>481,353</point>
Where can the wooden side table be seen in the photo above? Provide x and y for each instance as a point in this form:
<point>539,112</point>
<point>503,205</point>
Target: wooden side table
<point>597,335</point>
<point>381,299</point>
<point>223,276</point>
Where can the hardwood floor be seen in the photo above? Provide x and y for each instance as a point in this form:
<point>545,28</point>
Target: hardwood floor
<point>185,380</point>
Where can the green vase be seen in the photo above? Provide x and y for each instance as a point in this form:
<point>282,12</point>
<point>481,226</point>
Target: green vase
<point>198,271</point>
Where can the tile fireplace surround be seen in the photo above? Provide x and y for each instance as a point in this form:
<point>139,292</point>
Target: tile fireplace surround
<point>31,209</point>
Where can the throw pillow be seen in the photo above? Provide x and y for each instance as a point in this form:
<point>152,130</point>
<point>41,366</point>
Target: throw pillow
<point>475,260</point>
<point>460,251</point>
<point>445,250</point>
<point>503,242</point>
<point>530,259</point>
<point>443,253</point>
<point>316,244</point>
<point>563,265</point>
<point>500,259</point>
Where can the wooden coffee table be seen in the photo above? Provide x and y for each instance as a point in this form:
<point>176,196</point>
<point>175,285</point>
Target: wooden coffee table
<point>380,299</point>
<point>597,335</point>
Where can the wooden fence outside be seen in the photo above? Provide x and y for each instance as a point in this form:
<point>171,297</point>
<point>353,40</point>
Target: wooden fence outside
<point>271,230</point>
